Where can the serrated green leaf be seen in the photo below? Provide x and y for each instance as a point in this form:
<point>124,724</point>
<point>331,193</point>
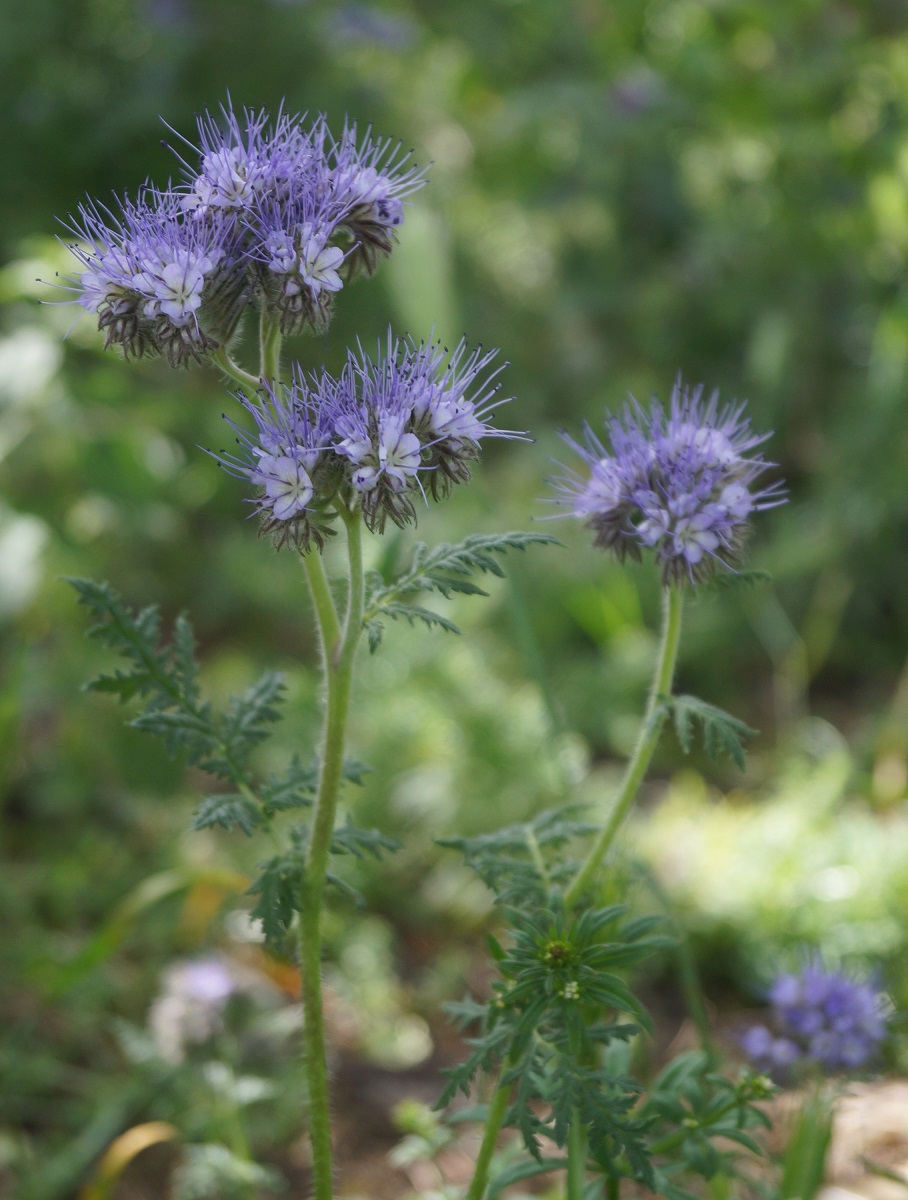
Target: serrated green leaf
<point>722,733</point>
<point>447,570</point>
<point>230,812</point>
<point>278,889</point>
<point>349,839</point>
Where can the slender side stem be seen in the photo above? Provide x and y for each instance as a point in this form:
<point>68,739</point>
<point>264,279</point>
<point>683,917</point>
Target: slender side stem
<point>338,656</point>
<point>235,372</point>
<point>270,343</point>
<point>494,1122</point>
<point>653,719</point>
<point>325,611</point>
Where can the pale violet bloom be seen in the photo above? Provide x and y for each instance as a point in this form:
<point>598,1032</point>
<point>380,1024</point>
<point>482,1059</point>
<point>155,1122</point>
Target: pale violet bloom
<point>385,433</point>
<point>174,286</point>
<point>393,455</point>
<point>190,1006</point>
<point>288,488</point>
<point>680,483</point>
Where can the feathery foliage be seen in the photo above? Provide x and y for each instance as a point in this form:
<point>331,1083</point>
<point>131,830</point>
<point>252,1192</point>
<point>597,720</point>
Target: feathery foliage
<point>446,570</point>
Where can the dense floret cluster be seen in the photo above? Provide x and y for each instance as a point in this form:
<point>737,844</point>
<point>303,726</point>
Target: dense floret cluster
<point>819,1017</point>
<point>679,483</point>
<point>279,214</point>
<point>378,437</point>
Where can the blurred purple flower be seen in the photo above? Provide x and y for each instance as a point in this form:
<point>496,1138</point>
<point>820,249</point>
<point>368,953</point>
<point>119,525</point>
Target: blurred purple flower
<point>190,1005</point>
<point>820,1017</point>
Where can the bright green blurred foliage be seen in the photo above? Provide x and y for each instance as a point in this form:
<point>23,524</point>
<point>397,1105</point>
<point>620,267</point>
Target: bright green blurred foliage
<point>619,191</point>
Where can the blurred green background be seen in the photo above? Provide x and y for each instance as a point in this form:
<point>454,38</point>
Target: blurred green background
<point>619,191</point>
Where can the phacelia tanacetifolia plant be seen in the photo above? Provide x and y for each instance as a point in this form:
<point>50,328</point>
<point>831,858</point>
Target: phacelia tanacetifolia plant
<point>277,217</point>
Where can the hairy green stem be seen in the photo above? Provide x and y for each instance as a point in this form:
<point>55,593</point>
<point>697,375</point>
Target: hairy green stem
<point>270,340</point>
<point>494,1122</point>
<point>232,370</point>
<point>650,729</point>
<point>338,654</point>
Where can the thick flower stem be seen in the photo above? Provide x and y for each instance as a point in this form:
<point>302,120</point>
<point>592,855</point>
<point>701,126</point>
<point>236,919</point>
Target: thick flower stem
<point>338,654</point>
<point>653,720</point>
<point>270,340</point>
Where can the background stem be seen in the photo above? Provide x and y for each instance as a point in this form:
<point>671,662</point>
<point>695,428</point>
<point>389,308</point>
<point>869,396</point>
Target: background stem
<point>494,1122</point>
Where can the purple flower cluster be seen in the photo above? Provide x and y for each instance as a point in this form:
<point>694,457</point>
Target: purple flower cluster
<point>820,1017</point>
<point>380,435</point>
<point>679,483</point>
<point>280,214</point>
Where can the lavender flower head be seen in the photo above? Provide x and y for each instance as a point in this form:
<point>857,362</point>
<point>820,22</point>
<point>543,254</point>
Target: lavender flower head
<point>385,433</point>
<point>822,1018</point>
<point>679,483</point>
<point>272,213</point>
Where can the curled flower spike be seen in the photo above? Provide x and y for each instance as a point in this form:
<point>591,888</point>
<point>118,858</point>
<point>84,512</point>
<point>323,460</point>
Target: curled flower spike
<point>298,262</point>
<point>819,1017</point>
<point>368,180</point>
<point>679,483</point>
<point>384,434</point>
<point>243,161</point>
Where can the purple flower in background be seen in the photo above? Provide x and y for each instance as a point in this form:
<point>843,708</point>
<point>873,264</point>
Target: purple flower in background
<point>819,1017</point>
<point>191,1004</point>
<point>680,483</point>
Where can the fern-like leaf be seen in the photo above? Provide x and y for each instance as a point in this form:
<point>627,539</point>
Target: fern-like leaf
<point>445,569</point>
<point>722,733</point>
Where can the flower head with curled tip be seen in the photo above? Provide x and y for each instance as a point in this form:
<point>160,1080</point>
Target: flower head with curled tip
<point>246,159</point>
<point>368,178</point>
<point>382,435</point>
<point>275,213</point>
<point>157,283</point>
<point>820,1017</point>
<point>679,483</point>
<point>409,425</point>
